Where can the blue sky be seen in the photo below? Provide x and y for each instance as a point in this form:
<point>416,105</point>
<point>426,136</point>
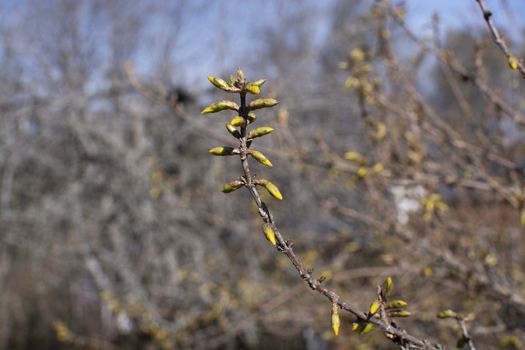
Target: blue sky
<point>235,29</point>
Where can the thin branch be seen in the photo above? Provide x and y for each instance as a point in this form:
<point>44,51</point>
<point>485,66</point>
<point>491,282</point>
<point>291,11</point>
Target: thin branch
<point>397,335</point>
<point>487,15</point>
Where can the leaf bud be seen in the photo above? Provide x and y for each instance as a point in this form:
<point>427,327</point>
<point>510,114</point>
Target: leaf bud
<point>263,103</point>
<point>261,158</point>
<point>258,132</point>
<point>220,106</point>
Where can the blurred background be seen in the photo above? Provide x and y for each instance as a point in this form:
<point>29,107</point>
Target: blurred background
<point>399,149</point>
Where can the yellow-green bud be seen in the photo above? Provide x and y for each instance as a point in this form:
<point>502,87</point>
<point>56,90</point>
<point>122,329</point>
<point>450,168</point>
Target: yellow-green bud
<point>336,321</point>
<point>354,156</point>
<point>238,121</point>
<point>263,103</point>
<point>258,132</point>
<point>356,325</point>
<point>513,63</point>
<point>261,158</point>
<point>447,314</point>
<point>240,74</point>
<point>269,233</point>
<point>231,129</point>
<point>374,307</point>
<point>369,327</point>
<point>272,189</point>
<point>253,89</point>
<point>396,304</point>
<point>223,151</point>
<point>401,313</point>
<point>222,84</point>
<point>232,186</point>
<point>220,106</point>
<point>251,117</point>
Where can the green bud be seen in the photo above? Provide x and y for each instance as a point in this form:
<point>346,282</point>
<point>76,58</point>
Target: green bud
<point>220,106</point>
<point>232,130</point>
<point>261,158</point>
<point>222,84</point>
<point>401,313</point>
<point>251,117</point>
<point>232,186</point>
<point>369,327</point>
<point>263,103</point>
<point>269,233</point>
<point>238,121</point>
<point>447,314</point>
<point>223,151</point>
<point>255,87</point>
<point>272,189</point>
<point>258,132</point>
<point>258,82</point>
<point>374,307</point>
<point>240,74</point>
<point>357,324</point>
<point>396,304</point>
<point>513,63</point>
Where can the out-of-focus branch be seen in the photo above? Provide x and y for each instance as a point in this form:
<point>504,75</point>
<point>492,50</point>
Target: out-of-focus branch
<point>514,62</point>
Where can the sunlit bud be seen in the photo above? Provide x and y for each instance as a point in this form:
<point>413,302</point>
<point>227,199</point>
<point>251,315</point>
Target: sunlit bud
<point>232,130</point>
<point>378,167</point>
<point>269,233</point>
<point>374,307</point>
<point>261,158</point>
<point>258,132</point>
<point>220,106</point>
<point>263,103</point>
<point>513,63</point>
<point>380,132</point>
<point>222,84</point>
<point>253,89</point>
<point>356,325</point>
<point>401,313</point>
<point>396,304</point>
<point>238,121</point>
<point>251,117</point>
<point>362,171</point>
<point>223,151</point>
<point>272,189</point>
<point>336,321</point>
<point>240,74</point>
<point>351,82</point>
<point>369,327</point>
<point>447,314</point>
<point>354,156</point>
<point>232,186</point>
<point>357,54</point>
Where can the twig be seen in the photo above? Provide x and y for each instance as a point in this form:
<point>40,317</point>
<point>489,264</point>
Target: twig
<point>487,15</point>
<point>397,335</point>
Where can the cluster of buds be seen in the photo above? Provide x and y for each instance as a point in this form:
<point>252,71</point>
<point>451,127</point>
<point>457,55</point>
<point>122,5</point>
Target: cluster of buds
<point>238,128</point>
<point>381,308</point>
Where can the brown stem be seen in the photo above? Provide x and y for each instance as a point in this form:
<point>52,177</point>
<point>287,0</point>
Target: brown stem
<point>397,335</point>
